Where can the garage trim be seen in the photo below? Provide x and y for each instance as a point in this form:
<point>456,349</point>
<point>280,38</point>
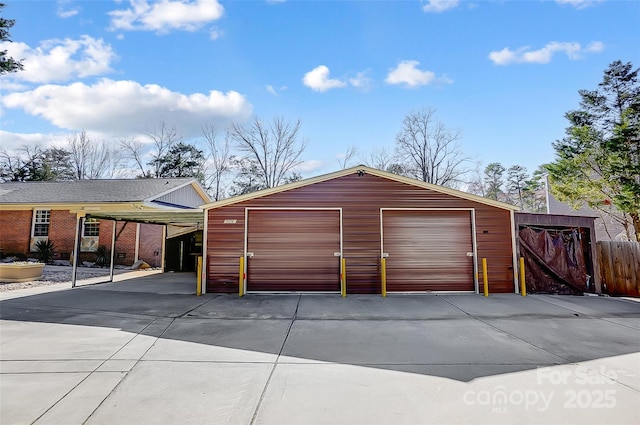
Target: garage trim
<point>473,242</point>
<point>246,239</point>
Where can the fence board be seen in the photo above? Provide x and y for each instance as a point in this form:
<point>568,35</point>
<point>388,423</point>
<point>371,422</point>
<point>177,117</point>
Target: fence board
<point>619,267</point>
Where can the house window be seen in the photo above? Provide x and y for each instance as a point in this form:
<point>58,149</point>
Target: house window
<point>41,220</point>
<point>91,227</point>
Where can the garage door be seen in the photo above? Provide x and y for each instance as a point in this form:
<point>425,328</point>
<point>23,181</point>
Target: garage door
<point>293,250</point>
<point>427,250</point>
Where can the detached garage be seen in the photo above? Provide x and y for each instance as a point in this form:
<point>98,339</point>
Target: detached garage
<point>293,238</point>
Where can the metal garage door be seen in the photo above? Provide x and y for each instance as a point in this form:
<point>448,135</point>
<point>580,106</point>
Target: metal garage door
<point>428,250</point>
<point>293,250</point>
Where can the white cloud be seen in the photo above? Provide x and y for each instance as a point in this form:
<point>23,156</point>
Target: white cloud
<point>166,15</point>
<point>61,60</point>
<point>14,141</point>
<point>318,80</point>
<point>309,166</point>
<point>544,55</point>
<point>361,80</point>
<point>122,107</point>
<point>579,4</point>
<point>67,9</point>
<point>407,73</point>
<point>215,33</point>
<point>438,6</point>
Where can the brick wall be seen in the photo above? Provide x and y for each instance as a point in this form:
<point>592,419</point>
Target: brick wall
<point>15,235</point>
<point>62,232</point>
<point>125,242</point>
<point>15,232</point>
<point>151,244</point>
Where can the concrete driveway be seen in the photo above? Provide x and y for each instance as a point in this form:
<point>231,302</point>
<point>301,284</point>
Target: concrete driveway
<point>127,354</point>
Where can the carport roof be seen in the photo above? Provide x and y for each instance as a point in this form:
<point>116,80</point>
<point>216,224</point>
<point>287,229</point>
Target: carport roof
<point>176,217</point>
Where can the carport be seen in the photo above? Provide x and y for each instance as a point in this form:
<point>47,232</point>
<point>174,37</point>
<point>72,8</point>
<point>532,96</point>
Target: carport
<point>180,219</point>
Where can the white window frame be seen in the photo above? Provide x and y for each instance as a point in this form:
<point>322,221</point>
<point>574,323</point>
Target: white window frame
<point>36,220</point>
<point>95,223</point>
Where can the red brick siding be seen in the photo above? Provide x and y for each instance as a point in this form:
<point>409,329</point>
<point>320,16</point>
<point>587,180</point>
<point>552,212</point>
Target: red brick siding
<point>150,244</point>
<point>15,231</point>
<point>125,242</point>
<point>62,232</point>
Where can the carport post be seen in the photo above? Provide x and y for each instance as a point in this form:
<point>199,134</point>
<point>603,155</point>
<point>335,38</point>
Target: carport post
<point>485,278</point>
<point>76,247</point>
<point>523,284</point>
<point>113,250</point>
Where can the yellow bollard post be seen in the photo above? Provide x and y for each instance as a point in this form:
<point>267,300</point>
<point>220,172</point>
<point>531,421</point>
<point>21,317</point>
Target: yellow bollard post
<point>484,277</point>
<point>343,277</point>
<point>199,281</point>
<point>523,284</point>
<point>383,273</point>
<point>241,278</point>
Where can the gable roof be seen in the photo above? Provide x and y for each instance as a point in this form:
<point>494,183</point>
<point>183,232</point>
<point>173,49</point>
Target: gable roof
<point>354,170</point>
<point>93,191</point>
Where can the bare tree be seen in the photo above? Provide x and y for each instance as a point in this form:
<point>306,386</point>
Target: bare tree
<point>430,151</point>
<point>92,159</point>
<point>275,147</point>
<point>344,159</point>
<point>219,162</point>
<point>134,152</point>
<point>380,158</point>
<point>163,138</point>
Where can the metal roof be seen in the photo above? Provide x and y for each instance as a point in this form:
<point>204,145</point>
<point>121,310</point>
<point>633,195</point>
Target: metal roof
<point>189,217</point>
<point>361,169</point>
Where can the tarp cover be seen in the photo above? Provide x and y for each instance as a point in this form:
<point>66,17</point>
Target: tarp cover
<point>554,261</point>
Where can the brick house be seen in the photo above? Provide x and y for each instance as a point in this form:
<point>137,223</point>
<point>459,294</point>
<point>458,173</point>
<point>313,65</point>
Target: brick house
<point>33,211</point>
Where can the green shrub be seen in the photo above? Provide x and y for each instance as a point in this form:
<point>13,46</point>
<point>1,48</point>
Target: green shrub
<point>46,250</point>
<point>102,256</point>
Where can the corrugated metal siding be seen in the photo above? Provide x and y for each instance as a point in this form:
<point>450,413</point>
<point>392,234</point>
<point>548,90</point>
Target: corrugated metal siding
<point>293,250</point>
<point>185,196</point>
<point>427,250</point>
<point>360,199</point>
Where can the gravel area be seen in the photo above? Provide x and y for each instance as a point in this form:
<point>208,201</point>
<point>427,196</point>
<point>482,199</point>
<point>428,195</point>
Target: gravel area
<point>52,275</point>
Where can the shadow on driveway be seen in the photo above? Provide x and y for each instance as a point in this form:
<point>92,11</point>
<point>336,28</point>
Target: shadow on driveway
<point>461,337</point>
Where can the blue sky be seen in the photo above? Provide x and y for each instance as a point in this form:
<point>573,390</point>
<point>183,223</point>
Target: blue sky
<point>502,72</point>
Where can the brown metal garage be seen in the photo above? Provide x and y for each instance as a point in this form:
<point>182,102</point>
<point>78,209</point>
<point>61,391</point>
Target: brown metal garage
<point>293,237</point>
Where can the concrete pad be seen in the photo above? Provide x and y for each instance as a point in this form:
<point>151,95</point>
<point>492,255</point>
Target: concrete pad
<point>368,307</point>
<point>185,393</point>
<point>248,307</point>
<point>117,366</point>
<point>594,306</point>
<point>347,394</point>
<point>621,311</point>
<point>25,397</point>
<point>139,303</point>
<point>52,341</point>
<point>48,366</point>
<point>78,405</point>
<point>153,282</point>
<point>408,342</point>
<point>575,339</point>
<point>624,369</point>
<point>506,305</point>
<point>221,340</point>
<point>142,342</point>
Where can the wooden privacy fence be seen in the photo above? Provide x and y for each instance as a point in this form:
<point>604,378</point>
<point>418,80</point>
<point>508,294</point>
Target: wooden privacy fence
<point>619,267</point>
